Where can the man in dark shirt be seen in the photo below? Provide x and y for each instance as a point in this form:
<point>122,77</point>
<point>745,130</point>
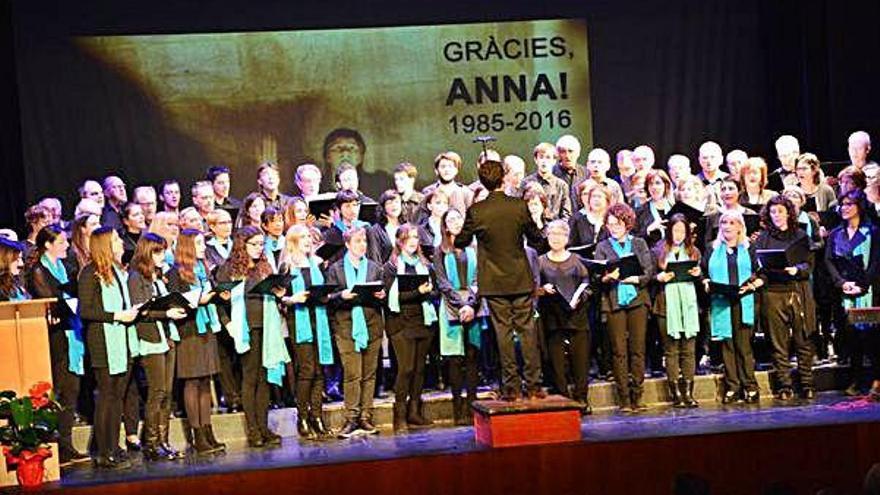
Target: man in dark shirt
<point>504,277</point>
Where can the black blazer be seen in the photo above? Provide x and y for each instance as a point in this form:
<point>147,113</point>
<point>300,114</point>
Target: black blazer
<point>42,284</point>
<point>93,314</point>
<point>379,245</point>
<point>583,232</point>
<point>340,314</point>
<point>140,289</point>
<point>604,251</point>
<point>500,224</point>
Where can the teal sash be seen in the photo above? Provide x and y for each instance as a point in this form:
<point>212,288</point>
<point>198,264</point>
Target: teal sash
<point>863,249</point>
<point>359,332</point>
<point>682,310</point>
<point>222,250</point>
<point>303,330</point>
<point>344,228</point>
<point>114,297</point>
<point>274,352</point>
<point>721,327</point>
<point>625,292</point>
<point>76,347</point>
<point>429,314</point>
<point>271,247</point>
<point>451,341</point>
<point>238,326</point>
<point>206,315</point>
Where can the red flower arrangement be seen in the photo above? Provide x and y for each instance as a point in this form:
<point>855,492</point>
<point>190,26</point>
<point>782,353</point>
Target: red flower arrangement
<point>31,423</point>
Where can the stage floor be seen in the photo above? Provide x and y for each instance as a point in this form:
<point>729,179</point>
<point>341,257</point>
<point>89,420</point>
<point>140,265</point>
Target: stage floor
<point>830,408</point>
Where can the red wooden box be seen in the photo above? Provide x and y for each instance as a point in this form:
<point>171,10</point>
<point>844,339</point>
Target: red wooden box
<point>555,419</point>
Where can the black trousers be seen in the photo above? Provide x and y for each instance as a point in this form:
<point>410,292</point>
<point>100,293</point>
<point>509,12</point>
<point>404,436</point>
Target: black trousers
<point>627,329</point>
<point>255,385</point>
<point>464,372</point>
<point>359,378</point>
<point>786,324</point>
<point>411,356</point>
<point>309,380</point>
<point>108,409</point>
<point>680,354</point>
<point>66,386</point>
<point>514,315</point>
<point>159,369</point>
<point>863,342</point>
<point>229,373</point>
<point>736,353</point>
<point>131,413</point>
<point>580,360</point>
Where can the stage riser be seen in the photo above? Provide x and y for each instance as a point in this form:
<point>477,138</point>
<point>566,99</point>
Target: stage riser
<point>231,427</point>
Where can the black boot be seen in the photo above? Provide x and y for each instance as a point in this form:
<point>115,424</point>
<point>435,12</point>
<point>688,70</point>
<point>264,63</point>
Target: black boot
<point>316,422</point>
<point>638,403</point>
<point>675,394</point>
<point>303,428</point>
<point>152,450</point>
<point>170,452</point>
<point>415,417</point>
<point>254,438</point>
<point>624,398</point>
<point>400,425</point>
<point>687,392</point>
<point>458,413</point>
<point>221,447</point>
<point>200,442</point>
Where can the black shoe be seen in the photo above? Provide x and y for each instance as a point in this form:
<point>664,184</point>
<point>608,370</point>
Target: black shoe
<point>255,440</point>
<point>808,393</point>
<point>852,391</point>
<point>72,456</point>
<point>132,446</point>
<point>586,408</point>
<point>112,463</point>
<point>785,394</point>
<point>209,429</point>
<point>753,397</point>
<point>675,393</point>
<point>349,430</point>
<point>366,426</point>
<point>234,408</point>
<point>271,438</point>
<point>317,426</point>
<point>729,397</point>
<point>304,429</point>
<point>638,404</point>
<point>687,394</point>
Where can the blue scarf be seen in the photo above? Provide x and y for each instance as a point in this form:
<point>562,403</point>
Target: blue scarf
<point>206,316</point>
<point>238,326</point>
<point>76,348</point>
<point>451,341</point>
<point>682,310</point>
<point>353,276</point>
<point>864,249</point>
<point>356,223</point>
<point>625,292</point>
<point>303,330</point>
<point>429,314</point>
<point>720,323</point>
<point>114,297</point>
<point>222,250</point>
<point>274,351</point>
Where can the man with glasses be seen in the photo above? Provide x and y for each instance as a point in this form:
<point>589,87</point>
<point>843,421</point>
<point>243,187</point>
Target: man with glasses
<point>116,197</point>
<point>145,196</point>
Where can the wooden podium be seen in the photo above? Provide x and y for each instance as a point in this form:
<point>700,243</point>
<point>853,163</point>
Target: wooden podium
<point>555,419</point>
<point>24,361</point>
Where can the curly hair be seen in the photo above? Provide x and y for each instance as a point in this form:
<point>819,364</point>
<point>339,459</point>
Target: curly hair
<point>239,261</point>
<point>768,224</point>
<point>624,213</point>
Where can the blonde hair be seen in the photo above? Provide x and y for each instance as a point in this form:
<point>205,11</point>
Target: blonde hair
<point>742,239</point>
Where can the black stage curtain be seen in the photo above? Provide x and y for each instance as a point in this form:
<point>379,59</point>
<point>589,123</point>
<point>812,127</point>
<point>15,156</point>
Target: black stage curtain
<point>670,74</point>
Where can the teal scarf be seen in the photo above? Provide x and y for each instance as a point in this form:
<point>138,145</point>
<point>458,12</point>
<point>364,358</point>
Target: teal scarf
<point>682,310</point>
<point>238,326</point>
<point>303,330</point>
<point>76,348</point>
<point>354,276</point>
<point>18,294</point>
<point>114,297</point>
<point>150,348</point>
<point>222,250</point>
<point>863,249</point>
<point>429,314</point>
<point>206,316</point>
<point>451,341</point>
<point>718,273</point>
<point>274,352</point>
<point>355,224</point>
<point>169,259</point>
<point>625,292</point>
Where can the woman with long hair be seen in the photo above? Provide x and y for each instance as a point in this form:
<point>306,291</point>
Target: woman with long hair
<point>625,304</point>
<point>788,306</point>
<point>47,273</point>
<point>677,310</point>
<point>197,356</point>
<point>252,207</point>
<point>157,334</point>
<point>380,236</point>
<point>309,330</point>
<point>80,231</point>
<point>255,327</point>
<point>11,270</point>
<point>461,316</point>
<point>134,223</point>
<point>731,262</point>
<point>107,314</point>
<point>410,325</point>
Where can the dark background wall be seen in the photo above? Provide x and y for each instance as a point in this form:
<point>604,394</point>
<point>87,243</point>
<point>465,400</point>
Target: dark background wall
<point>666,73</point>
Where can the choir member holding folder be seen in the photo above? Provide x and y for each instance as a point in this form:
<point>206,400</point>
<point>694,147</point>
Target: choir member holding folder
<point>107,314</point>
<point>651,216</point>
<point>197,353</point>
<point>50,277</point>
<point>731,270</point>
<point>783,252</point>
<point>357,326</point>
<point>564,281</point>
<point>157,335</point>
<point>625,302</point>
<point>255,327</point>
<point>309,328</point>
<point>853,260</point>
<point>410,323</point>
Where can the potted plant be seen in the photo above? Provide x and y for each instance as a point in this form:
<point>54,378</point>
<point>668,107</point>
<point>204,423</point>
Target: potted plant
<point>27,425</point>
